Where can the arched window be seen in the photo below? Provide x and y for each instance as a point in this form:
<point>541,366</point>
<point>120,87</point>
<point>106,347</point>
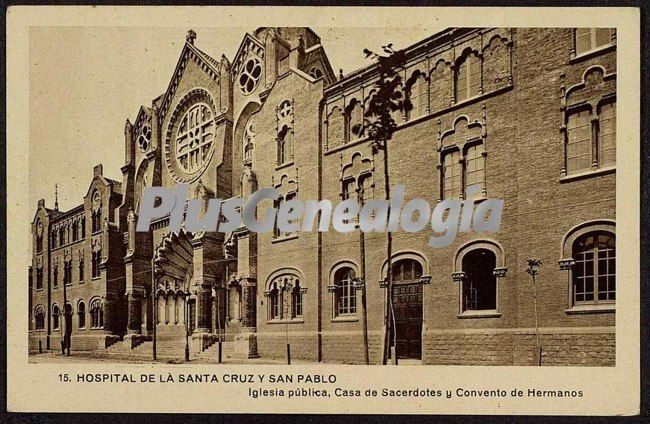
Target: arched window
<point>285,141</point>
<point>96,259</point>
<point>335,128</point>
<point>354,119</point>
<point>345,292</point>
<point>56,312</point>
<point>587,39</point>
<point>249,140</point>
<point>96,314</point>
<point>39,237</point>
<point>83,227</point>
<point>81,311</point>
<point>53,239</point>
<point>275,302</point>
<point>315,72</point>
<point>468,77</point>
<point>39,316</point>
<point>39,278</point>
<point>474,166</point>
<point>407,271</point>
<point>296,300</point>
<point>62,240</point>
<point>81,269</point>
<point>55,275</point>
<point>594,271</point>
<point>419,97</point>
<point>479,287</point>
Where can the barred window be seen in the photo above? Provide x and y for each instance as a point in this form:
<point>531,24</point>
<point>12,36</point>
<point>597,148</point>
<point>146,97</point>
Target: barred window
<point>345,294</point>
<point>594,271</point>
<point>587,39</point>
<point>479,288</point>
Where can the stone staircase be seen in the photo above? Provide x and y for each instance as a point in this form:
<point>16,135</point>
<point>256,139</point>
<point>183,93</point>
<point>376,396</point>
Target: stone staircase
<point>212,352</point>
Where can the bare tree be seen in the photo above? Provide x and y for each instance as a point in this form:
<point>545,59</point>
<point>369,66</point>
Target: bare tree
<point>379,125</point>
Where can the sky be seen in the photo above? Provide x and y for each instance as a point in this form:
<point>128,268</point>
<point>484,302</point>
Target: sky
<point>86,81</point>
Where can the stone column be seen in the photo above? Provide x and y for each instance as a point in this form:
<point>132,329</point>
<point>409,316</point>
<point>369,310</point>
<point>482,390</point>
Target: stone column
<point>134,324</point>
<point>203,309</point>
<point>248,304</point>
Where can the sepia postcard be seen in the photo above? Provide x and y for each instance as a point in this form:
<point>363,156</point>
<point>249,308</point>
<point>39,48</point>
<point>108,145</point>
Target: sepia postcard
<point>323,210</point>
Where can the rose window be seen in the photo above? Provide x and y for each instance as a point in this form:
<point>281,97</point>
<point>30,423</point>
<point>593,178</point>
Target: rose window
<point>144,140</point>
<point>250,76</point>
<point>195,137</point>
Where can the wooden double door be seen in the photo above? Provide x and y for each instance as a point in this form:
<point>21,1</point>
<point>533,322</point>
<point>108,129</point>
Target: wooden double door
<point>407,304</point>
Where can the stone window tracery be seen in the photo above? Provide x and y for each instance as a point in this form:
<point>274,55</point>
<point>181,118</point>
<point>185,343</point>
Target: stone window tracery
<point>144,139</point>
<point>96,314</point>
<point>285,298</point>
<point>250,76</point>
<point>195,137</point>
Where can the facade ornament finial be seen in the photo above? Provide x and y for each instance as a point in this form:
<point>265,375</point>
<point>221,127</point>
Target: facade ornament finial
<point>56,197</point>
<point>191,36</point>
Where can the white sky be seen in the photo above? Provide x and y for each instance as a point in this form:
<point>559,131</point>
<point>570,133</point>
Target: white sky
<point>86,81</point>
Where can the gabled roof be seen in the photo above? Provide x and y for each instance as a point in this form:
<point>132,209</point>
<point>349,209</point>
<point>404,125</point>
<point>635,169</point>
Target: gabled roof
<point>249,40</point>
<point>211,66</point>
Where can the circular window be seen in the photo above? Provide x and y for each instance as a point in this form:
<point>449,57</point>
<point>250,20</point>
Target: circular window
<point>315,73</point>
<point>144,140</point>
<point>285,109</point>
<point>195,138</point>
<point>250,76</point>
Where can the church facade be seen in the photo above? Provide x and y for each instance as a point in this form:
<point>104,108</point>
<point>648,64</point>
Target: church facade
<point>529,115</point>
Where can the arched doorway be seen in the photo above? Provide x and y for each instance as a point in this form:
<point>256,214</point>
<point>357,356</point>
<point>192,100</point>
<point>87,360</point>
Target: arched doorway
<point>173,266</point>
<point>407,306</point>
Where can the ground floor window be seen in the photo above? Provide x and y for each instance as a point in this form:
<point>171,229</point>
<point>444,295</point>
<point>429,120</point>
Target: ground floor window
<point>594,271</point>
<point>96,314</point>
<point>39,316</point>
<point>479,287</point>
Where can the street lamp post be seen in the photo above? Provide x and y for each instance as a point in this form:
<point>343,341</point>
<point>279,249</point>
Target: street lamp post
<point>286,300</point>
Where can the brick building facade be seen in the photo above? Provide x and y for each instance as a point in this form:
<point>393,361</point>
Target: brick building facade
<point>529,115</point>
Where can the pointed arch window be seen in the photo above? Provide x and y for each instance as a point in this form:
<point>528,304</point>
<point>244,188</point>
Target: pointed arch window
<point>96,314</point>
<point>56,312</point>
<point>249,140</point>
<point>419,96</point>
<point>468,77</point>
<point>81,312</point>
<point>285,146</point>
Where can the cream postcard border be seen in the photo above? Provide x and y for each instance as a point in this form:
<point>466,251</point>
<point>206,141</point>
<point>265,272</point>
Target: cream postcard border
<point>608,391</point>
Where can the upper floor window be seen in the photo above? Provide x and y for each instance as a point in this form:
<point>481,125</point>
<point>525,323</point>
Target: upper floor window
<point>83,227</point>
<point>39,237</point>
<point>62,239</point>
<point>419,97</point>
<point>75,231</point>
<point>587,39</point>
<point>594,271</point>
<point>55,276</point>
<point>249,140</point>
<point>345,292</point>
<point>96,259</point>
<point>474,166</point>
<point>591,140</point>
<point>468,77</point>
<point>53,239</point>
<point>81,269</point>
<point>285,148</point>
<point>39,278</point>
<point>451,172</point>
